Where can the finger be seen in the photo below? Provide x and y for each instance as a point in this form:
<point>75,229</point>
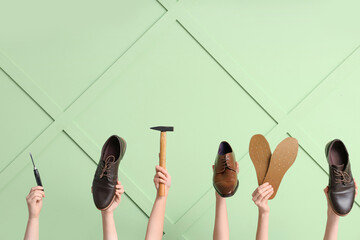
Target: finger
<point>121,191</point>
<point>162,170</point>
<point>237,167</point>
<point>268,195</point>
<point>156,180</point>
<point>37,194</point>
<point>36,188</point>
<point>261,190</point>
<point>35,198</point>
<point>264,194</point>
<point>40,192</point>
<point>263,185</point>
<point>31,195</point>
<point>162,181</point>
<point>326,190</point>
<point>117,193</point>
<point>356,187</point>
<point>161,175</point>
<point>253,194</point>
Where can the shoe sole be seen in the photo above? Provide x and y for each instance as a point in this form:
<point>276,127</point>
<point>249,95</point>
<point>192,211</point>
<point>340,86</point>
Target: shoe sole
<point>228,195</point>
<point>260,154</point>
<point>281,160</point>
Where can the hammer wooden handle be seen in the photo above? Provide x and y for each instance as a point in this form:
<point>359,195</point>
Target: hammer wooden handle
<point>162,160</point>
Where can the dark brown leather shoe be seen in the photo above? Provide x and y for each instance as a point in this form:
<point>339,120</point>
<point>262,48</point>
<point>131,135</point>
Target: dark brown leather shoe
<point>225,177</point>
<point>341,192</point>
<point>106,174</point>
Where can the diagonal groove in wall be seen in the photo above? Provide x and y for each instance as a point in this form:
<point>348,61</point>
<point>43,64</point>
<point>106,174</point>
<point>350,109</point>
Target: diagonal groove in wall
<point>29,87</point>
<point>352,53</point>
<point>116,60</point>
<point>229,74</point>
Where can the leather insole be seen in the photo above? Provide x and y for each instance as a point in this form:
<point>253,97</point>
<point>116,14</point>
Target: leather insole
<point>281,160</point>
<point>260,154</point>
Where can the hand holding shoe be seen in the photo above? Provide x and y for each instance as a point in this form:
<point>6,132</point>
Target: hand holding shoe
<point>34,201</point>
<point>118,192</point>
<point>237,172</point>
<point>261,195</point>
<point>330,211</point>
<point>162,176</point>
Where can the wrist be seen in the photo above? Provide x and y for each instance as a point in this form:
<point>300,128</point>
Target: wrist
<point>106,214</point>
<point>332,216</point>
<point>219,198</point>
<point>263,212</point>
<point>158,197</point>
<point>33,218</point>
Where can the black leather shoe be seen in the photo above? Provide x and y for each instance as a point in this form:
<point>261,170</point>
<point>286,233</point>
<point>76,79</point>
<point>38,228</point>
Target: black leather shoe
<point>341,192</point>
<point>106,175</point>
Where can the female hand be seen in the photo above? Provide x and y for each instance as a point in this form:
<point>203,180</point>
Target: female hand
<point>34,201</point>
<point>162,176</point>
<point>261,195</point>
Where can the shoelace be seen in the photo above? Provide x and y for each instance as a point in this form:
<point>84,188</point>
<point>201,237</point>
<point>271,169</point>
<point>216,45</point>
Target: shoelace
<point>343,177</point>
<point>107,165</point>
<point>226,164</point>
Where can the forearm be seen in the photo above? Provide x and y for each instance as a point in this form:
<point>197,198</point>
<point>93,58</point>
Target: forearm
<point>332,224</point>
<point>109,229</point>
<point>156,222</point>
<point>32,229</point>
<point>263,226</point>
<point>221,227</point>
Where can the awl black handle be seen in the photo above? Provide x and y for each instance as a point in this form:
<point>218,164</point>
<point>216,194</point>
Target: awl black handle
<point>37,177</point>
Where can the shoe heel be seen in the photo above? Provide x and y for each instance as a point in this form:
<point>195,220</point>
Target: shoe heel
<point>327,146</point>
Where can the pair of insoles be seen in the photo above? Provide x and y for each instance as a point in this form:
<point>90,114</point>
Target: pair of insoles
<point>272,167</point>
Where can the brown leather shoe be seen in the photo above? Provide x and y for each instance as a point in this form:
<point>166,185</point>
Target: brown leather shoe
<point>225,177</point>
<point>106,174</point>
<point>341,192</point>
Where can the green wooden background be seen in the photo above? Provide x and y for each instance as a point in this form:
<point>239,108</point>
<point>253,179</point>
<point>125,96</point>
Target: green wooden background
<point>74,72</point>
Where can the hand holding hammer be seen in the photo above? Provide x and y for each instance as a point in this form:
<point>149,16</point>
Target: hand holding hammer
<point>162,159</point>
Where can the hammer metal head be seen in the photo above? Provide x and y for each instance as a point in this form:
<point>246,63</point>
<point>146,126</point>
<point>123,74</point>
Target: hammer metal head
<point>163,129</point>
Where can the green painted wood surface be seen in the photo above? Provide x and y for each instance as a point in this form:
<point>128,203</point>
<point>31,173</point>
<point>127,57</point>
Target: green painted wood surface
<point>71,74</point>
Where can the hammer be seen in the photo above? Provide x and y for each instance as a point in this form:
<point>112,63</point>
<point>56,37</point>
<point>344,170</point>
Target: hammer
<point>162,160</point>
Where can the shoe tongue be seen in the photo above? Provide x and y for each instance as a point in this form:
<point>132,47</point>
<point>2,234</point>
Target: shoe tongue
<point>339,167</point>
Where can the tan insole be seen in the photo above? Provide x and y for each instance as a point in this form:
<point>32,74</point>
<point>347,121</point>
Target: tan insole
<point>260,154</point>
<point>281,160</point>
